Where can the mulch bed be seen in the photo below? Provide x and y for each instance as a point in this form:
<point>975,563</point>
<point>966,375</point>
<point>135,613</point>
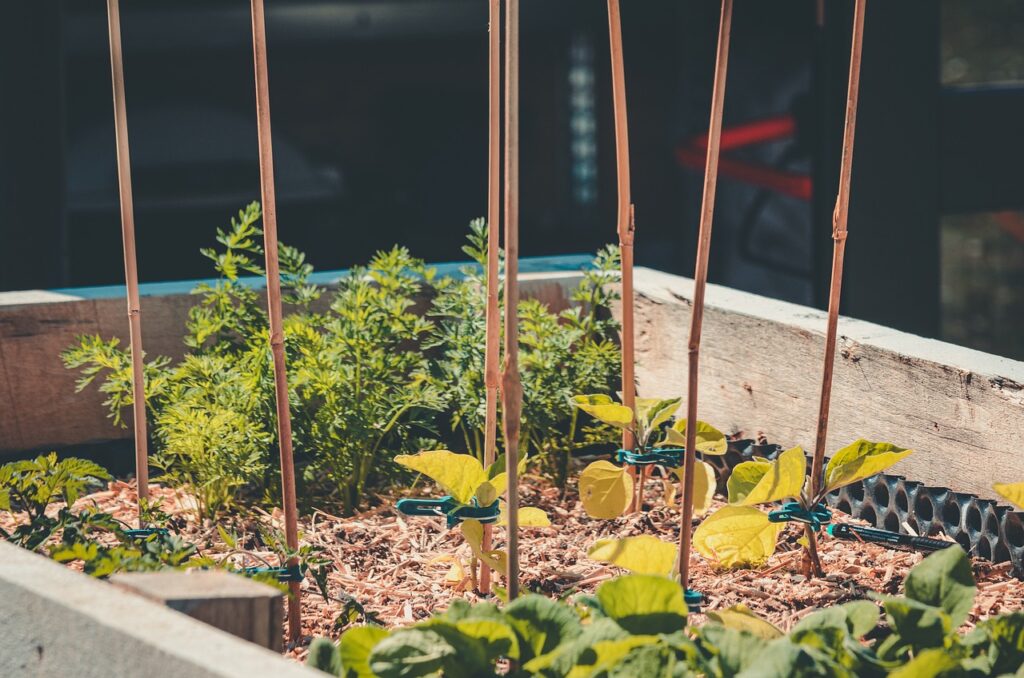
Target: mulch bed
<point>398,568</point>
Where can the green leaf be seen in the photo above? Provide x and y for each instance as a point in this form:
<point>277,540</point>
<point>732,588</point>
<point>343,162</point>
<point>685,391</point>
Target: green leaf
<point>730,651</point>
<point>705,481</point>
<point>1006,642</point>
<point>709,439</point>
<point>916,625</point>
<point>652,413</point>
<point>735,536</point>
<point>324,656</point>
<point>645,554</point>
<point>602,408</point>
<point>944,580</point>
<point>617,657</point>
<point>742,618</point>
<point>644,604</point>
<point>936,663</point>
<point>499,640</point>
<point>857,618</point>
<point>529,516</point>
<point>859,460</point>
<point>459,474</point>
<point>410,652</point>
<point>541,624</point>
<point>606,490</point>
<point>760,482</point>
<point>1011,492</point>
<point>355,647</point>
<point>782,659</point>
<point>578,653</point>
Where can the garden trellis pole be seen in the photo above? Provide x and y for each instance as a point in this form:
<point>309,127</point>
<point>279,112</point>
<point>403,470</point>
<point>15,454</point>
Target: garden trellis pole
<point>625,226</point>
<point>700,279</point>
<point>511,387</point>
<point>839,221</point>
<point>274,313</point>
<point>492,368</point>
<point>131,274</point>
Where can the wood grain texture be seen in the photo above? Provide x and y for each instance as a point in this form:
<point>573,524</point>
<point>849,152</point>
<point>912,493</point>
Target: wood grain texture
<point>39,408</point>
<point>242,607</point>
<point>959,409</point>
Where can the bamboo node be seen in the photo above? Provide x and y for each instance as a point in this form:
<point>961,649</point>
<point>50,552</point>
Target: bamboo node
<point>838,235</point>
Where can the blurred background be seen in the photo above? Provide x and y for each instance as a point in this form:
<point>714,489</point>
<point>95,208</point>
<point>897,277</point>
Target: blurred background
<point>379,115</point>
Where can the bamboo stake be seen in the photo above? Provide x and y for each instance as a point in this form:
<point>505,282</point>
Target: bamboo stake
<point>700,279</point>
<point>492,348</point>
<point>131,274</point>
<point>626,228</point>
<point>839,221</point>
<point>270,246</point>
<point>512,392</point>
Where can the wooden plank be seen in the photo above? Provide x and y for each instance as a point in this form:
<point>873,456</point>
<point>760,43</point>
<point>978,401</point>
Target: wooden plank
<point>959,409</point>
<point>242,607</point>
<point>39,408</point>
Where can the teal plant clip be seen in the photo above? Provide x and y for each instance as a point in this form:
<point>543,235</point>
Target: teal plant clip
<point>663,456</point>
<point>792,511</point>
<point>144,532</point>
<point>452,510</point>
<point>291,573</point>
<point>694,600</point>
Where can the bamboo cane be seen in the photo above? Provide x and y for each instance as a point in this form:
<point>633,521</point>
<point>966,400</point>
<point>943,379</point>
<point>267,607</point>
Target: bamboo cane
<point>839,221</point>
<point>512,392</point>
<point>625,227</point>
<point>700,279</point>
<point>131,275</point>
<point>284,423</point>
<point>492,348</point>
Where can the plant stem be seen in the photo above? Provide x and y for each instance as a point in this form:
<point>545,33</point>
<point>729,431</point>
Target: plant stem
<point>699,285</point>
<point>839,222</point>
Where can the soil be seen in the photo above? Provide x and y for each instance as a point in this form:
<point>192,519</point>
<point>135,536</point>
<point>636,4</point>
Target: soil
<point>400,569</point>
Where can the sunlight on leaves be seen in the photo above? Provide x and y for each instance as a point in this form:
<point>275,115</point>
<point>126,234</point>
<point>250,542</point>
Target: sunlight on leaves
<point>645,554</point>
<point>605,490</point>
<point>760,482</point>
<point>735,536</point>
<point>861,459</point>
<point>709,439</point>
<point>459,474</point>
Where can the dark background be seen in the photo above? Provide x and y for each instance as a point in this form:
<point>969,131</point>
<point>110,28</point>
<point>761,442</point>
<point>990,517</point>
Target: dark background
<point>379,117</point>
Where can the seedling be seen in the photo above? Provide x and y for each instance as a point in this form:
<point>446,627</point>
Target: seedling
<point>741,534</point>
<point>607,490</point>
<point>473,499</point>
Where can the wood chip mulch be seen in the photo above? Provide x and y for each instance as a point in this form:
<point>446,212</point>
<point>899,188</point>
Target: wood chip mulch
<point>401,569</point>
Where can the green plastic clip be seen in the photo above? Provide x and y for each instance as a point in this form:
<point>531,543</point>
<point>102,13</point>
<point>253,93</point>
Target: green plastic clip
<point>792,511</point>
<point>452,510</point>
<point>663,456</point>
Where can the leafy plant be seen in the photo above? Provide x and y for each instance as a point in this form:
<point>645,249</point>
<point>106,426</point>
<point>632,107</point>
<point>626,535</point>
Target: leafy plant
<point>358,379</point>
<point>560,354</point>
<point>636,625</point>
<point>741,534</point>
<point>470,485</point>
<point>606,490</point>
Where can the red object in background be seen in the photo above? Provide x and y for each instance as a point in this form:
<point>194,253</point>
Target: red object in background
<point>692,155</point>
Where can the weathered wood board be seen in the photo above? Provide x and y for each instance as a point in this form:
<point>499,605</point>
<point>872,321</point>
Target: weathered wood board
<point>242,607</point>
<point>38,404</point>
<point>961,410</point>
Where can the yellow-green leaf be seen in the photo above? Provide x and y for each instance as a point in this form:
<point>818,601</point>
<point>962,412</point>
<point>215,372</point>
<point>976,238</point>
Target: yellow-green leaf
<point>704,483</point>
<point>487,493</point>
<point>605,490</point>
<point>861,459</point>
<point>1011,492</point>
<point>459,474</point>
<point>759,482</point>
<point>602,408</point>
<point>709,439</point>
<point>742,618</point>
<point>473,531</point>
<point>528,517</point>
<point>645,554</point>
<point>737,535</point>
<point>653,412</point>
